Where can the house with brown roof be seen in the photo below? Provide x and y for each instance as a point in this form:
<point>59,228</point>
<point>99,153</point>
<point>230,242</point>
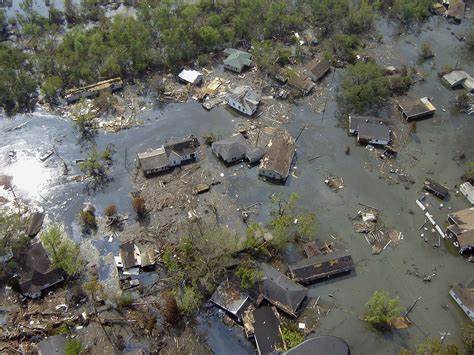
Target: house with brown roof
<point>464,297</point>
<point>415,109</point>
<point>276,162</point>
<point>37,272</point>
<point>317,69</point>
<point>300,81</point>
<point>461,229</point>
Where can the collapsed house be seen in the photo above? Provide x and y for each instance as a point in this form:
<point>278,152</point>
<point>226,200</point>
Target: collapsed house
<point>300,82</point>
<point>90,91</point>
<point>37,273</point>
<point>236,148</point>
<point>321,345</point>
<point>229,297</point>
<point>459,78</point>
<point>436,189</point>
<point>467,190</point>
<point>464,297</point>
<point>317,69</point>
<point>130,259</point>
<point>321,266</point>
<point>168,156</point>
<point>461,229</point>
<point>236,60</point>
<point>244,99</point>
<point>416,109</point>
<point>282,292</point>
<point>267,332</point>
<point>190,76</point>
<point>276,162</point>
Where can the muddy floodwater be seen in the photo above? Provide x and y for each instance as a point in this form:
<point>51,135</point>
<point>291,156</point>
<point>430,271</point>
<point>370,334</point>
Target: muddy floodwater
<point>431,152</point>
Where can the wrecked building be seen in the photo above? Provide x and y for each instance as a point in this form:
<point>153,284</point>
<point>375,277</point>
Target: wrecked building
<point>191,77</point>
<point>90,91</point>
<point>370,133</point>
<point>236,148</point>
<point>244,99</point>
<point>461,229</point>
<point>456,10</point>
<point>231,299</point>
<point>168,156</point>
<point>321,266</point>
<point>317,69</point>
<point>267,332</point>
<point>416,109</point>
<point>236,60</point>
<point>300,82</point>
<point>276,162</point>
<point>464,297</point>
<point>321,345</point>
<point>436,189</point>
<point>129,258</point>
<point>37,273</point>
<point>282,292</point>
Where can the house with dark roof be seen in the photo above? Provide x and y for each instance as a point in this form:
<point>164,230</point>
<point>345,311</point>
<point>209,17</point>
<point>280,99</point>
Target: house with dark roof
<point>168,156</point>
<point>461,229</point>
<point>464,297</point>
<point>317,69</point>
<point>321,345</point>
<point>244,99</point>
<point>129,258</point>
<point>276,162</point>
<point>236,60</point>
<point>300,81</point>
<point>435,188</point>
<point>236,148</point>
<point>355,120</point>
<point>229,297</point>
<point>415,109</point>
<point>321,266</point>
<point>370,133</point>
<point>267,331</point>
<point>37,272</point>
<point>282,292</point>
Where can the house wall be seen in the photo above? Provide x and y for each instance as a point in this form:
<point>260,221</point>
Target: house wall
<point>235,104</point>
<point>230,67</point>
<point>271,174</point>
<point>469,312</point>
<point>154,171</point>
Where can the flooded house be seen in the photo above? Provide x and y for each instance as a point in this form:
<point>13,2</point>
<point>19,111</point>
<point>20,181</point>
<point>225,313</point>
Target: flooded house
<point>461,229</point>
<point>435,188</point>
<point>317,69</point>
<point>90,91</point>
<point>236,148</point>
<point>300,82</point>
<point>282,292</point>
<point>168,156</point>
<point>372,133</point>
<point>229,297</point>
<point>321,266</point>
<point>455,78</point>
<point>276,162</point>
<point>37,273</point>
<point>267,331</point>
<point>467,190</point>
<point>129,258</point>
<point>244,99</point>
<point>236,60</point>
<point>321,345</point>
<point>192,77</point>
<point>416,109</point>
<point>356,120</point>
<point>464,297</point>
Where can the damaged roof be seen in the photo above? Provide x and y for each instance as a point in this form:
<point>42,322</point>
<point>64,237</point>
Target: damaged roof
<point>237,59</point>
<point>229,297</point>
<point>235,148</point>
<point>300,81</point>
<point>413,109</point>
<point>153,159</point>
<point>464,219</point>
<point>279,290</point>
<point>456,10</point>
<point>267,331</point>
<point>279,155</point>
<point>184,146</point>
<point>127,253</point>
<point>318,68</point>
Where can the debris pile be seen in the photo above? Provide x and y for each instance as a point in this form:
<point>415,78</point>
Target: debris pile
<point>334,183</point>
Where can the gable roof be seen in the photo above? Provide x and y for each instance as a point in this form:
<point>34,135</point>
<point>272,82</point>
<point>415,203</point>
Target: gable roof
<point>153,159</point>
<point>191,76</point>
<point>279,155</point>
<point>300,81</point>
<point>230,148</point>
<point>267,331</point>
<point>281,291</point>
<point>236,58</point>
<point>464,219</point>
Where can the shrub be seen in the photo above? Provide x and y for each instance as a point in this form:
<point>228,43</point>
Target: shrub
<point>425,50</point>
<point>110,210</point>
<point>382,310</point>
<point>470,41</point>
<point>291,335</point>
<point>52,87</point>
<point>190,301</point>
<point>73,347</point>
<point>87,220</point>
<point>170,308</point>
<point>463,102</point>
<point>138,204</point>
<point>400,85</point>
<point>203,60</point>
<point>362,19</point>
<point>248,274</point>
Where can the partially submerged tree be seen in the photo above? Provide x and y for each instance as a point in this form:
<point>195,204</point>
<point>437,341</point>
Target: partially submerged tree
<point>95,165</point>
<point>426,52</point>
<point>87,220</point>
<point>463,102</point>
<point>248,274</point>
<point>63,251</point>
<point>139,206</point>
<point>382,310</point>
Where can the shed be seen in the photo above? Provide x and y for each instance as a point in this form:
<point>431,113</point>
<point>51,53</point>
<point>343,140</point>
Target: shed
<point>244,99</point>
<point>191,76</point>
<point>53,345</point>
<point>436,189</point>
<point>370,133</point>
<point>321,345</point>
<point>464,297</point>
<point>267,332</point>
<point>317,69</point>
<point>231,299</point>
<point>236,60</point>
<point>282,292</point>
<point>467,190</point>
<point>276,163</point>
<point>415,109</point>
<point>321,266</point>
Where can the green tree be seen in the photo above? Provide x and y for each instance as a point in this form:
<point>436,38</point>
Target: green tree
<point>73,347</point>
<point>329,12</point>
<point>248,274</point>
<point>291,335</point>
<point>95,165</point>
<point>52,87</point>
<point>209,37</point>
<point>409,10</point>
<point>362,19</point>
<point>189,301</point>
<point>425,50</point>
<point>364,88</point>
<point>382,310</point>
<point>62,250</point>
<point>3,24</point>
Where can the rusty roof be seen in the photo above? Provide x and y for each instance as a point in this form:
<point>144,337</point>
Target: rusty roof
<point>279,155</point>
<point>464,219</point>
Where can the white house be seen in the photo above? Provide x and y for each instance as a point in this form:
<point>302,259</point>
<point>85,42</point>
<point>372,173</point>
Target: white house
<point>244,99</point>
<point>191,76</point>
